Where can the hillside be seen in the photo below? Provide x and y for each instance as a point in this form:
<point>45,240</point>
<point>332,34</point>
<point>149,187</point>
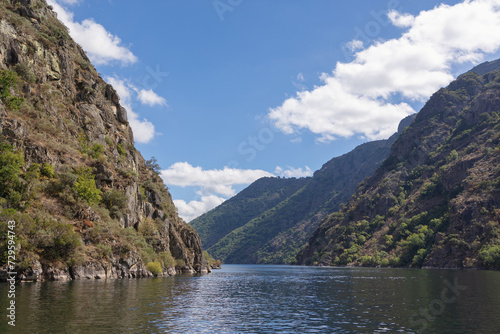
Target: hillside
<point>249,203</point>
<point>435,201</point>
<point>275,231</point>
<point>84,201</point>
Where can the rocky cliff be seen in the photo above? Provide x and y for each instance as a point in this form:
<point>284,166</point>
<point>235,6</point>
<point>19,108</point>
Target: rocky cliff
<point>85,202</point>
<point>291,208</point>
<point>435,201</point>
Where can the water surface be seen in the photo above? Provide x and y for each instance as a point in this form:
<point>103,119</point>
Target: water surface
<point>265,299</point>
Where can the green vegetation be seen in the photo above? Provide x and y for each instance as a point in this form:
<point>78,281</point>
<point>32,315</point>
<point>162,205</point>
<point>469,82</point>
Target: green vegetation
<point>85,186</point>
<point>490,256</point>
<point>115,202</point>
<point>154,267</point>
<point>121,150</point>
<point>441,211</point>
<point>8,80</point>
<point>59,136</point>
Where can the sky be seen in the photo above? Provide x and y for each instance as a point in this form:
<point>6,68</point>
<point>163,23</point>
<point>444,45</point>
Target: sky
<point>224,92</point>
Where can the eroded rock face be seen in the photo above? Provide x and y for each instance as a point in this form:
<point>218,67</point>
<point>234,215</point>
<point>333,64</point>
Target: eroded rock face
<point>73,119</point>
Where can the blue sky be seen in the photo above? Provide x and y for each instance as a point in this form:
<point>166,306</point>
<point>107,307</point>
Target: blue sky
<point>224,92</point>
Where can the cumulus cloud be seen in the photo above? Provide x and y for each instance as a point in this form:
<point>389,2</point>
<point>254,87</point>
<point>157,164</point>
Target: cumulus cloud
<point>293,172</point>
<point>193,209</point>
<point>214,181</point>
<point>101,46</point>
<point>150,98</point>
<point>401,20</point>
<point>212,184</point>
<point>144,130</point>
<point>359,98</point>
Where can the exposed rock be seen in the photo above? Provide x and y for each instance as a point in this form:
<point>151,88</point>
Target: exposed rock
<point>122,115</point>
<point>72,121</point>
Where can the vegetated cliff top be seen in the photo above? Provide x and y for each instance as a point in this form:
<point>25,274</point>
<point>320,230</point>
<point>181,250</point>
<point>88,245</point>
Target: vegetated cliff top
<point>271,220</point>
<point>435,201</point>
<point>85,201</point>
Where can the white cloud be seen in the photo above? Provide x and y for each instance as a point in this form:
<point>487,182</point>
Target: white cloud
<point>401,20</point>
<point>101,46</point>
<point>144,131</point>
<point>355,44</point>
<point>358,98</point>
<point>150,98</point>
<point>193,209</point>
<point>293,172</point>
<point>214,181</point>
<point>211,184</point>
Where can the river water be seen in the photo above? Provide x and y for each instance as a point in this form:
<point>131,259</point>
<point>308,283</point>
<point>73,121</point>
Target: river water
<point>265,299</point>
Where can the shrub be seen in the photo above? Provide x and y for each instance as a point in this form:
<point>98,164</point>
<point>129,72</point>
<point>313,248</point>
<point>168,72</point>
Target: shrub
<point>115,202</point>
<point>121,150</point>
<point>103,250</point>
<point>180,263</point>
<point>109,141</point>
<point>9,79</point>
<point>12,188</point>
<point>166,259</point>
<point>48,171</point>
<point>85,186</point>
<point>56,240</point>
<point>490,256</point>
<point>154,267</point>
<point>24,71</point>
<point>96,151</point>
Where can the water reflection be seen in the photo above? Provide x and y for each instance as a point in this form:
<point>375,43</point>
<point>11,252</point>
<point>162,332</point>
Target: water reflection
<point>266,299</point>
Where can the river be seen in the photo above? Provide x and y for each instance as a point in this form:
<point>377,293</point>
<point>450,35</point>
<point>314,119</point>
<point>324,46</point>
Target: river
<point>265,299</point>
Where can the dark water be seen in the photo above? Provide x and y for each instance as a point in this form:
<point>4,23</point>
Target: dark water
<point>265,299</point>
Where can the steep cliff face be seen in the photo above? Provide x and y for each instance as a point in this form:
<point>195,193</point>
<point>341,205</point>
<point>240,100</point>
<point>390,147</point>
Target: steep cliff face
<point>86,203</point>
<point>275,232</point>
<point>435,201</point>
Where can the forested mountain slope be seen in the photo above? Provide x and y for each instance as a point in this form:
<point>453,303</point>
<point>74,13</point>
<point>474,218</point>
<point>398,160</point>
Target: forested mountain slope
<point>275,231</point>
<point>435,201</point>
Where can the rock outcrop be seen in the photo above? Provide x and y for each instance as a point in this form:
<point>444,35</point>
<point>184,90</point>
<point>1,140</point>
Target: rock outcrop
<point>66,123</point>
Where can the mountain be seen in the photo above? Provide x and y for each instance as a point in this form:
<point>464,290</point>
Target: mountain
<point>77,200</point>
<point>435,201</point>
<point>271,220</point>
<point>258,197</point>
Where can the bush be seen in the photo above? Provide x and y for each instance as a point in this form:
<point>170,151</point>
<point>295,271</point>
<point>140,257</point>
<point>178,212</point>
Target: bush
<point>9,79</point>
<point>121,150</point>
<point>24,71</point>
<point>115,202</point>
<point>166,259</point>
<point>56,240</point>
<point>85,186</point>
<point>96,151</point>
<point>12,189</point>
<point>154,267</point>
<point>490,256</point>
<point>48,171</point>
<point>180,263</point>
